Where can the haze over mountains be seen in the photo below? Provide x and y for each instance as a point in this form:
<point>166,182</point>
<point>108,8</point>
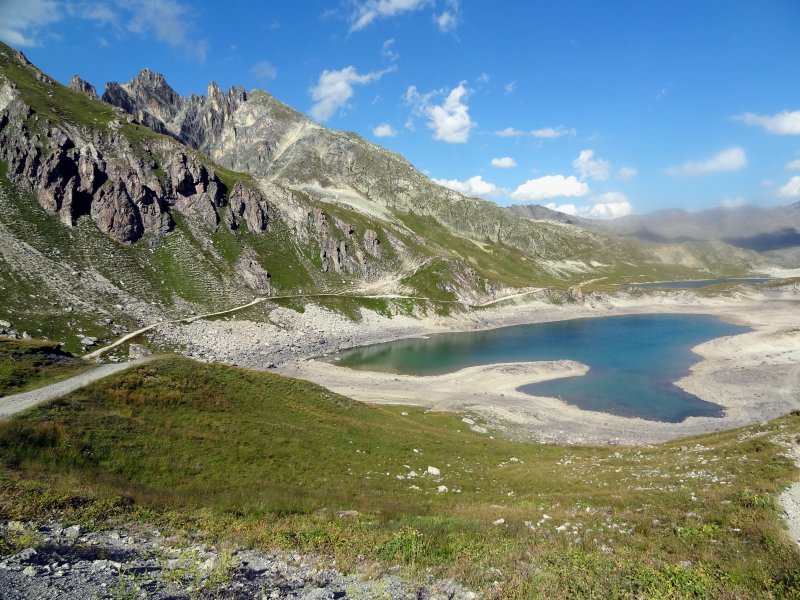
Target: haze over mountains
<point>773,230</point>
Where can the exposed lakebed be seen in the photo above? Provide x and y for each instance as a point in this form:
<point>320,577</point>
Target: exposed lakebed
<point>634,360</point>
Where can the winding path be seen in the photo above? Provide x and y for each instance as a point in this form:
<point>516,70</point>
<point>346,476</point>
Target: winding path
<point>133,334</point>
<point>15,403</point>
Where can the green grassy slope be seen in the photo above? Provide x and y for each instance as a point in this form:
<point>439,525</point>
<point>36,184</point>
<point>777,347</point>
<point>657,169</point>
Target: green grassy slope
<point>265,460</point>
<point>25,364</point>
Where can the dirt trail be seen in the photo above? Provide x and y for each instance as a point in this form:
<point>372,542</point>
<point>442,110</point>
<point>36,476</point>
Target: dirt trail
<point>133,334</point>
<point>15,403</point>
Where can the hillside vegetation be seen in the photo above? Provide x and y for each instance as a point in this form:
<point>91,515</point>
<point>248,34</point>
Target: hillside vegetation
<point>258,459</point>
<point>26,364</point>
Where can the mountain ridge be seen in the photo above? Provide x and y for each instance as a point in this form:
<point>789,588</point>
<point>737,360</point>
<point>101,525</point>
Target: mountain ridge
<point>90,188</point>
<point>762,229</point>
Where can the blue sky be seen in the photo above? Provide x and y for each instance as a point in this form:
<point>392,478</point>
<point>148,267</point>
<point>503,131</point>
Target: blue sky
<point>599,108</point>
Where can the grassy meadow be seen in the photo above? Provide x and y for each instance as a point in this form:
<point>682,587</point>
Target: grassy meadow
<point>271,462</point>
<point>26,364</point>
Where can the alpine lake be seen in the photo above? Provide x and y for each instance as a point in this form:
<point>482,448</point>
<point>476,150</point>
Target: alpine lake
<point>634,360</point>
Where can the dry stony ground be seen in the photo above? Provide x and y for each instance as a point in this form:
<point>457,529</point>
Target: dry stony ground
<point>70,564</point>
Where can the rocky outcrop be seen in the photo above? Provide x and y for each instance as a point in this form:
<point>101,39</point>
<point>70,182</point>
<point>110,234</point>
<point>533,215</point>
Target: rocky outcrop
<point>253,275</point>
<point>127,190</point>
<point>372,243</point>
<point>84,87</point>
<point>197,121</point>
<point>247,205</point>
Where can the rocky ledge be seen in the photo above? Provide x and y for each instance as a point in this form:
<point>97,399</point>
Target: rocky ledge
<point>67,563</point>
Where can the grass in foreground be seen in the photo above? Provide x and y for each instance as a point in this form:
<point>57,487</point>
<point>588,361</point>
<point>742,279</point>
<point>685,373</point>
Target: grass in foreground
<point>260,459</point>
<point>26,364</point>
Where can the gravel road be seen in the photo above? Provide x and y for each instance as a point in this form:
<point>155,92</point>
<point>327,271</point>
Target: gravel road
<point>15,403</point>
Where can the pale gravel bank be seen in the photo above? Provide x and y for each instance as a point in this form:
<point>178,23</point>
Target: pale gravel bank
<point>754,376</point>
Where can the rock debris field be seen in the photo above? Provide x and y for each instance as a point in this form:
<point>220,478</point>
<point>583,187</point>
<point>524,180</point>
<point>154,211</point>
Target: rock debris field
<point>66,563</point>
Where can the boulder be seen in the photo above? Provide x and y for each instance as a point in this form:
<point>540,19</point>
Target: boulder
<point>136,351</point>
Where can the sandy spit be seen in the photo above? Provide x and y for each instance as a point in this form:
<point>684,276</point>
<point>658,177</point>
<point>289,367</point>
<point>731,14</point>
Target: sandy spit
<point>754,376</point>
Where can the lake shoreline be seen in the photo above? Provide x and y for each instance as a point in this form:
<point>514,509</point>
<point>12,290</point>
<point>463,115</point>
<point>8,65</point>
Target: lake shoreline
<point>754,376</point>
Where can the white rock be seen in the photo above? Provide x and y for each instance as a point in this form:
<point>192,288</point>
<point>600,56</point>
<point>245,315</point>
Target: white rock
<point>468,421</point>
<point>441,488</point>
<point>499,522</point>
<point>433,471</point>
<point>72,532</point>
<point>29,571</point>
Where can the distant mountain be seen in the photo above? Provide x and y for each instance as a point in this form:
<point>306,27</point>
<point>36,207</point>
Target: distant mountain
<point>755,228</point>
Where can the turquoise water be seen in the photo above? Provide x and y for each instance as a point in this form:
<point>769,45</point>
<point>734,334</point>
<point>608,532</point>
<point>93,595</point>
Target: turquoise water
<point>633,360</point>
<point>697,283</point>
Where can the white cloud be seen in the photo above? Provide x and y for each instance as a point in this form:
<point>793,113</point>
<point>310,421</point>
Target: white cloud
<point>783,123</point>
<point>509,132</point>
<point>450,18</point>
<point>369,10</point>
<point>567,209</point>
<point>264,71</point>
<point>446,21</point>
<point>793,165</point>
<point>450,121</point>
<point>552,132</point>
<point>511,87</point>
<point>169,21</point>
<point>732,202</point>
<point>387,50</point>
<point>626,173</point>
<point>474,186</point>
<point>551,186</point>
<point>731,159</point>
<point>22,20</point>
<point>611,205</point>
<point>607,206</point>
<point>505,162</point>
<point>589,167</point>
<point>791,189</point>
<point>384,130</point>
<point>335,88</point>
<point>99,13</point>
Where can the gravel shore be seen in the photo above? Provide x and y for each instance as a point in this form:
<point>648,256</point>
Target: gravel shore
<point>754,376</point>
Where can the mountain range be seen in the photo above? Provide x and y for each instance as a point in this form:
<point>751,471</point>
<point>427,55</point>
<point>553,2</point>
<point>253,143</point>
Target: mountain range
<point>142,205</point>
<point>773,231</point>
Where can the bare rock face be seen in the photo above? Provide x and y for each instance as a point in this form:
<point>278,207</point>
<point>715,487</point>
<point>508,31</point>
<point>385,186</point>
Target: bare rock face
<point>247,205</point>
<point>196,121</point>
<point>250,272</point>
<point>84,87</point>
<point>372,243</point>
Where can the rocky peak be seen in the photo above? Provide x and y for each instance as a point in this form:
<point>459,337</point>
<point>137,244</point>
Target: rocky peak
<point>197,121</point>
<point>84,87</point>
<point>146,96</point>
